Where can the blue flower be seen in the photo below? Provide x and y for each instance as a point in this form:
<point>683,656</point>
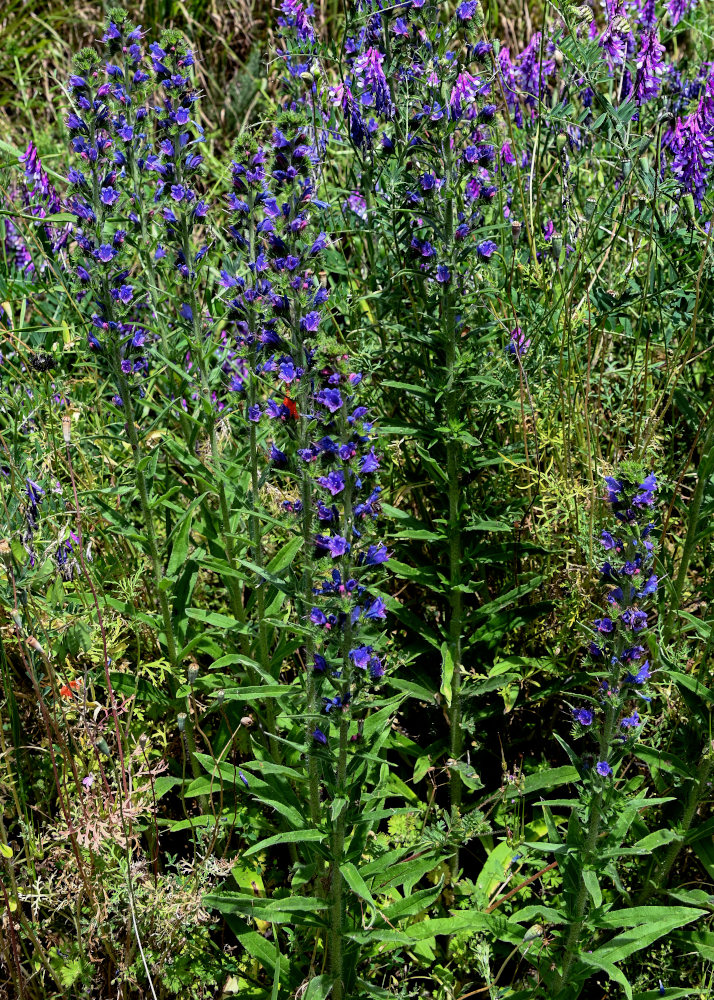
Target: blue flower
<point>486,249</point>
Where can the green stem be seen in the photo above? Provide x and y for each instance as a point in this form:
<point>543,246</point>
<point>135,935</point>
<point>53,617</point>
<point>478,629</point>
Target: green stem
<point>453,452</point>
<point>572,941</point>
<point>338,839</point>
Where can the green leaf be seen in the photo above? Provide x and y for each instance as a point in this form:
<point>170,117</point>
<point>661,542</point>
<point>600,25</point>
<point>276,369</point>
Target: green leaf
<point>603,963</point>
<point>658,838</point>
<point>276,974</point>
<point>214,618</point>
<point>593,887</point>
<point>298,909</point>
<point>358,885</point>
<point>285,555</point>
<point>318,988</point>
<point>551,778</point>
<point>447,672</point>
<point>288,837</point>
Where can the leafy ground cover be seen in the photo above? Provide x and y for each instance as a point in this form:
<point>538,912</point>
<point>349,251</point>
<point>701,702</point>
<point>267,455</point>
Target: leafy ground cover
<point>356,476</point>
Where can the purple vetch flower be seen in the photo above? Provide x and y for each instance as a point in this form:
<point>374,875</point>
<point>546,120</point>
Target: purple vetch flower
<point>678,9</point>
<point>372,83</point>
<point>692,144</point>
<point>518,343</point>
<point>650,67</point>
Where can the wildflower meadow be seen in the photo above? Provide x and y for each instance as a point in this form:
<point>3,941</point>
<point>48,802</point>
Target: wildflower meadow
<point>357,485</point>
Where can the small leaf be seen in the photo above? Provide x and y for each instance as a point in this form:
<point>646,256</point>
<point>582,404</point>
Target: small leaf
<point>447,672</point>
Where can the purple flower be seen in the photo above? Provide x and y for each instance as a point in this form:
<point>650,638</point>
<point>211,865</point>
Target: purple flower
<point>649,67</point>
<point>615,487</point>
<point>376,670</point>
<point>319,737</point>
<point>109,196</point>
<point>608,542</point>
<point>361,656</point>
<point>486,249</point>
<point>126,293</point>
<point>518,344</point>
<point>330,398</point>
<point>642,675</point>
<point>372,82</point>
<point>105,253</point>
<point>466,10</point>
<point>678,9</point>
<point>693,150</point>
<point>443,274</point>
<point>584,716</point>
<point>605,625</point>
<point>376,554</point>
<point>634,619</point>
<point>650,587</point>
<point>186,311</point>
<point>375,610</point>
<point>317,617</point>
<point>631,721</point>
<point>334,482</point>
<point>336,545</point>
<point>178,192</point>
<point>603,769</point>
<point>310,322</point>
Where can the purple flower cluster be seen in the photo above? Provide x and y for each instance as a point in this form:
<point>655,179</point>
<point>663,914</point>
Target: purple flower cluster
<point>619,649</point>
<point>38,197</point>
<point>320,438</point>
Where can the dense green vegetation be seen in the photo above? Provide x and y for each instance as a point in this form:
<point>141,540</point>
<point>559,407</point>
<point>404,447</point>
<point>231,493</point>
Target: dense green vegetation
<point>357,481</point>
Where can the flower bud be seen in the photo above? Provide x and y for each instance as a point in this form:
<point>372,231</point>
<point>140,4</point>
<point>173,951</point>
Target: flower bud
<point>560,141</point>
<point>181,721</point>
<point>516,228</point>
<point>590,204</point>
<point>192,673</point>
